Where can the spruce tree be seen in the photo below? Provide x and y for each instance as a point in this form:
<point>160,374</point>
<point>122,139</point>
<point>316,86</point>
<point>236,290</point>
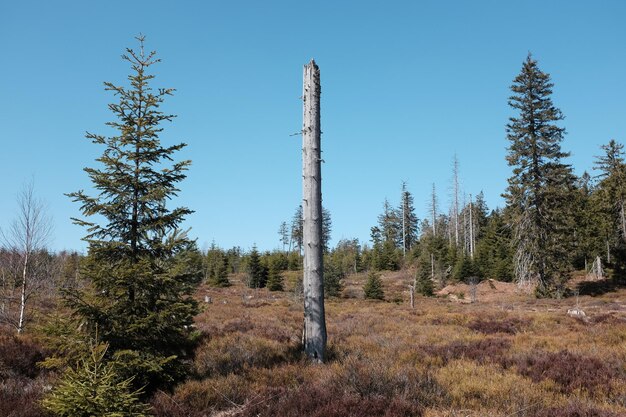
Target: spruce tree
<point>333,275</point>
<point>373,287</point>
<point>540,185</point>
<point>297,224</point>
<point>274,276</point>
<point>494,257</point>
<point>390,225</point>
<point>216,267</point>
<point>257,273</point>
<point>408,220</point>
<point>609,204</point>
<point>141,283</point>
<point>94,389</point>
<point>327,228</point>
<point>423,279</point>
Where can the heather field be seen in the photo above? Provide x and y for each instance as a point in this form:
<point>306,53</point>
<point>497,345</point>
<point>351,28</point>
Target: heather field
<point>505,354</point>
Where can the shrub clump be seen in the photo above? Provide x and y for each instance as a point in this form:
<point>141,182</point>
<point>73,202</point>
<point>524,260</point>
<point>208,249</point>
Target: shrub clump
<point>569,370</point>
<point>315,400</point>
<point>575,409</point>
<point>488,387</point>
<point>202,398</point>
<point>19,357</point>
<point>482,351</point>
<point>235,352</point>
<point>509,325</point>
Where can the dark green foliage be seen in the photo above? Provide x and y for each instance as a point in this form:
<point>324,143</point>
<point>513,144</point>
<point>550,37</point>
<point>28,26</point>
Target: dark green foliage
<point>390,226</point>
<point>257,272</point>
<point>234,257</point>
<point>327,228</point>
<point>373,287</point>
<point>297,225</point>
<point>423,279</point>
<point>347,256</point>
<point>294,261</point>
<point>480,215</point>
<point>385,256</point>
<point>435,255</point>
<point>140,265</point>
<point>283,233</point>
<point>94,389</point>
<point>608,201</point>
<point>216,267</point>
<point>464,268</point>
<point>274,277</point>
<point>541,185</point>
<point>494,257</point>
<point>333,274</point>
<point>297,232</point>
<point>408,221</point>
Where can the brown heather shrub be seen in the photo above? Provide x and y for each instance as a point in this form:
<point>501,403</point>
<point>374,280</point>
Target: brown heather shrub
<point>19,356</point>
<point>383,378</point>
<point>237,325</point>
<point>575,409</point>
<point>569,370</point>
<point>607,318</point>
<point>508,325</point>
<point>22,383</point>
<point>482,351</point>
<point>315,400</point>
<point>489,387</point>
<point>20,396</point>
<point>202,398</point>
<point>236,351</point>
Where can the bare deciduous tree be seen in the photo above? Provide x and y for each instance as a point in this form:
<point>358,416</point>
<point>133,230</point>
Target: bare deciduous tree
<point>25,268</point>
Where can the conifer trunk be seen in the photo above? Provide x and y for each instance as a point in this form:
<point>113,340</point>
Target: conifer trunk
<point>314,336</point>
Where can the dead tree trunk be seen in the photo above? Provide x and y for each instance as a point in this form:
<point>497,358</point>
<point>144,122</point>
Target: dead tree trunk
<point>314,335</point>
<point>455,172</point>
<point>433,210</point>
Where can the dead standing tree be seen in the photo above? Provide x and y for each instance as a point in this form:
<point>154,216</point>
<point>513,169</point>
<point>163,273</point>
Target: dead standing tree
<point>314,333</point>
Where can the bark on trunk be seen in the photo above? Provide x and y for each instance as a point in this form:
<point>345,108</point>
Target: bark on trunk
<point>314,335</point>
<point>20,323</point>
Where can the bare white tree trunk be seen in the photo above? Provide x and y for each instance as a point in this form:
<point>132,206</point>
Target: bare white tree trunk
<point>455,209</point>
<point>314,336</point>
<point>433,210</point>
<point>20,323</point>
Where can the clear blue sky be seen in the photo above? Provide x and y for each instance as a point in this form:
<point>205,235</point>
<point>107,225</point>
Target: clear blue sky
<point>405,85</point>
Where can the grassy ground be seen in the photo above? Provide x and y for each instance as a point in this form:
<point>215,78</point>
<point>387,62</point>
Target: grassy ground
<point>506,354</point>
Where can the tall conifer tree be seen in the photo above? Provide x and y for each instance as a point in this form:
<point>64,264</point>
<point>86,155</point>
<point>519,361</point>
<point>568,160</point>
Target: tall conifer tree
<point>540,184</point>
<point>140,301</point>
<point>409,221</point>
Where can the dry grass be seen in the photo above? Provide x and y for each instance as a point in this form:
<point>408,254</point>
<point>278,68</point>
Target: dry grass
<point>506,355</point>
